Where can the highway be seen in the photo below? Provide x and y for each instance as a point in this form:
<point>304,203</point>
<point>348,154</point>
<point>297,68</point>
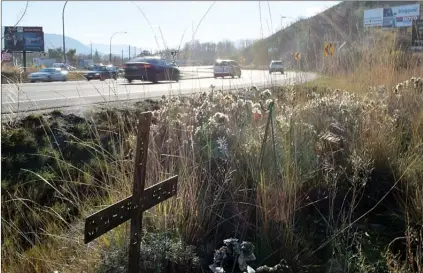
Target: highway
<point>29,97</point>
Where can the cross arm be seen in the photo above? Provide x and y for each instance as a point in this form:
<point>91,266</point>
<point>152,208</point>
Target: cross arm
<point>114,215</point>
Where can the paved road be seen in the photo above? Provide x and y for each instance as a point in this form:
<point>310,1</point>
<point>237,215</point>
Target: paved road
<point>52,95</point>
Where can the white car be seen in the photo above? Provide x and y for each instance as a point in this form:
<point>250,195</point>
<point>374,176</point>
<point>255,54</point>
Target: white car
<point>276,66</point>
<point>59,65</point>
<point>223,68</point>
<point>48,75</point>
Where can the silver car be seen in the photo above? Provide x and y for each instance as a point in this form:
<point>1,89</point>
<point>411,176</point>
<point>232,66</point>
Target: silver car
<point>48,75</point>
<point>276,66</point>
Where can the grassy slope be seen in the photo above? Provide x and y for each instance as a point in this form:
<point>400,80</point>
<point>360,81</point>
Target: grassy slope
<point>342,22</point>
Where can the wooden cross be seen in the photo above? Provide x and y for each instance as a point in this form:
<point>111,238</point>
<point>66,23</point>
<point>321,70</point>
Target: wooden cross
<point>133,206</point>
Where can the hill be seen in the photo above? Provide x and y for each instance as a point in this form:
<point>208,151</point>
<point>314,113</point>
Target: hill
<point>55,41</point>
<point>52,41</point>
<point>340,23</point>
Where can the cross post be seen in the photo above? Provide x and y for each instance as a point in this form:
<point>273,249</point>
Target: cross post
<point>133,206</point>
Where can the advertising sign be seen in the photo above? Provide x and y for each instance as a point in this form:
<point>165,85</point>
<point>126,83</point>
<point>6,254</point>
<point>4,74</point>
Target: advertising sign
<point>6,57</point>
<point>393,17</point>
<point>17,39</point>
<point>404,15</point>
<point>373,17</point>
<point>417,33</point>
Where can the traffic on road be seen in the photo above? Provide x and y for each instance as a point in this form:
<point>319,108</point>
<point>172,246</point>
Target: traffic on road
<point>51,95</point>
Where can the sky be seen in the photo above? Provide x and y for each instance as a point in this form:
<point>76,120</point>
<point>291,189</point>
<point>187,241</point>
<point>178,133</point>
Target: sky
<point>96,21</point>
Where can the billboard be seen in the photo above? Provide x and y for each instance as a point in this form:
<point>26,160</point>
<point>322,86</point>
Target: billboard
<point>392,17</point>
<point>373,17</point>
<point>417,33</point>
<point>18,39</point>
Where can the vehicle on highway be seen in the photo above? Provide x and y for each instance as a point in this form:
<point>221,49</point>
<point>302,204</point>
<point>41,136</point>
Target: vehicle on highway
<point>94,66</point>
<point>69,67</point>
<point>224,68</point>
<point>59,65</point>
<point>102,73</point>
<point>276,66</point>
<point>48,75</point>
<point>152,69</point>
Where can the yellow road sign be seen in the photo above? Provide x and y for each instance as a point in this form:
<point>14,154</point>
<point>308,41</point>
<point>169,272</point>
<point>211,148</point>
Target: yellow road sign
<point>328,49</point>
<point>297,56</point>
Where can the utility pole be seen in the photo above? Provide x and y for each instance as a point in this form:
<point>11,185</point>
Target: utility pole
<point>111,37</point>
<point>129,54</point>
<point>63,24</point>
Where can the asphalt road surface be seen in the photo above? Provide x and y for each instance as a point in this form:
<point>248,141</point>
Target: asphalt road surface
<point>29,97</point>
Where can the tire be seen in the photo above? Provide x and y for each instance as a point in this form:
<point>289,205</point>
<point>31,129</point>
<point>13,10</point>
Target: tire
<point>64,79</point>
<point>49,79</point>
<point>32,81</point>
<point>239,76</point>
<point>270,72</point>
<point>129,80</point>
<point>282,72</point>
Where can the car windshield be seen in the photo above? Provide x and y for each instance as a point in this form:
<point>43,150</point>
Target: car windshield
<point>277,63</point>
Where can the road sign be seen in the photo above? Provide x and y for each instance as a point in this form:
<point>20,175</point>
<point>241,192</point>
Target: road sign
<point>133,206</point>
<point>329,49</point>
<point>297,56</point>
<point>417,33</point>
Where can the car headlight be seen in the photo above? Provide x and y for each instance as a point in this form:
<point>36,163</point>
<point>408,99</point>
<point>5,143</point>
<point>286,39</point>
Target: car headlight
<point>97,74</point>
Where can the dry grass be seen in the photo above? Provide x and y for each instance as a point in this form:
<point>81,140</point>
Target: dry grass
<point>345,193</point>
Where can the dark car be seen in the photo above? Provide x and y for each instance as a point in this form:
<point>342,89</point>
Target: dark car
<point>223,68</point>
<point>102,72</point>
<point>151,69</point>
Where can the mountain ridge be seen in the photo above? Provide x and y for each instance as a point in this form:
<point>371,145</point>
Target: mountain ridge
<point>52,41</point>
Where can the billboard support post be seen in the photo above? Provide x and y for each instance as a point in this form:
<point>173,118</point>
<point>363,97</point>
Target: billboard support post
<point>24,60</point>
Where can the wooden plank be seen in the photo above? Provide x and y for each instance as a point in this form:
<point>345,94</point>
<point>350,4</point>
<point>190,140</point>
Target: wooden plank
<point>160,192</point>
<point>107,219</point>
<point>141,154</point>
<point>114,215</point>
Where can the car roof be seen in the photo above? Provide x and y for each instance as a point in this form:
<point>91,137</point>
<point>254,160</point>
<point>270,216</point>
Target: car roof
<point>146,59</point>
<point>221,61</point>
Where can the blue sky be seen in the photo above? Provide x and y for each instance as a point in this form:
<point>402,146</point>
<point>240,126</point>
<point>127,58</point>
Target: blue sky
<point>96,20</point>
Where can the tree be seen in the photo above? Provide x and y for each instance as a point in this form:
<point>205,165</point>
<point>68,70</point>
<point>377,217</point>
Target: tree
<point>96,56</point>
<point>55,53</point>
<point>71,55</point>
